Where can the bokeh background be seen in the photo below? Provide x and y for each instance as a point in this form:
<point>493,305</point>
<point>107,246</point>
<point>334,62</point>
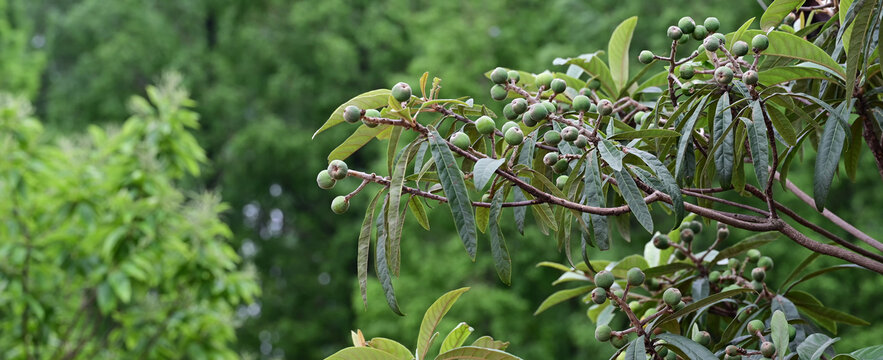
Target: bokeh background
<point>267,73</point>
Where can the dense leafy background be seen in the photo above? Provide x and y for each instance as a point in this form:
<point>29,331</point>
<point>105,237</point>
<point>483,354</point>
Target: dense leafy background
<point>265,74</point>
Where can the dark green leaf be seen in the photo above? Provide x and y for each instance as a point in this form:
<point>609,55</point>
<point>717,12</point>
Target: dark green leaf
<point>562,295</point>
<point>502,261</point>
<point>712,299</point>
<point>668,180</point>
<point>782,125</point>
<point>686,135</point>
<point>757,141</point>
<point>455,189</point>
<point>419,211</point>
<point>594,197</point>
<point>723,154</point>
<point>636,350</point>
<point>685,347</point>
<point>634,198</point>
<point>645,134</point>
<point>830,146</point>
<point>858,30</point>
<point>382,267</point>
<point>776,12</point>
<point>364,248</point>
<point>815,346</point>
<point>483,171</point>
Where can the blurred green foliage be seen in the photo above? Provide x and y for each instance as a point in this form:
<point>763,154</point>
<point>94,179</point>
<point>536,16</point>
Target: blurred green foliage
<point>266,74</point>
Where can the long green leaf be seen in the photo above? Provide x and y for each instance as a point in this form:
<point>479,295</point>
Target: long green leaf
<point>419,211</point>
<point>456,337</point>
<point>562,295</point>
<point>364,248</point>
<point>594,197</point>
<point>394,218</point>
<point>382,266</point>
<point>868,353</point>
<point>499,250</point>
<point>776,12</point>
<point>786,45</point>
<point>483,171</point>
<point>830,147</point>
<point>369,100</point>
<point>757,142</point>
<point>785,74</point>
<point>433,317</point>
<point>633,197</point>
<point>525,156</point>
<point>357,140</point>
<point>685,347</point>
<point>668,180</point>
<point>779,332</point>
<point>361,353</point>
<point>618,51</point>
<point>712,299</point>
<point>858,30</point>
<point>473,352</point>
<point>594,66</point>
<point>393,347</point>
<point>686,135</point>
<point>723,155</point>
<point>636,350</point>
<point>815,346</point>
<point>611,154</point>
<point>822,272</point>
<point>455,189</point>
<point>782,125</point>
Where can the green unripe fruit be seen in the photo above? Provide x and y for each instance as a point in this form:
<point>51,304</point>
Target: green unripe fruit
<point>352,114</point>
<point>733,264</point>
<point>702,337</point>
<point>760,42</point>
<point>561,181</point>
<point>550,158</point>
<point>602,333</point>
<point>513,136</point>
<point>593,108</point>
<point>743,313</point>
<point>700,33</point>
<point>653,284</point>
<point>753,255</point>
<point>619,341</point>
<point>461,140</point>
<point>599,296</point>
<point>714,276</point>
<point>732,350</point>
<point>618,293</point>
<point>340,205</point>
<point>499,76</point>
<point>661,242</point>
<point>528,118</point>
<point>635,277</point>
<point>685,38</point>
<point>485,125</point>
<point>723,75</point>
<point>569,133</point>
<point>558,85</point>
<point>721,37</point>
<point>645,57</point>
<point>674,32</point>
<point>594,84</point>
<point>687,71</point>
<point>634,306</point>
<point>680,255</point>
<point>758,274</point>
<point>639,117</point>
<point>755,326</point>
<point>538,112</point>
<point>508,113</point>
<point>604,279</point>
<point>687,235</point>
<point>723,234</point>
<point>337,169</point>
<point>486,198</point>
<point>514,75</point>
<point>789,19</point>
<point>671,296</point>
<point>749,77</point>
<point>519,106</point>
<point>552,137</point>
<point>581,103</point>
<point>711,43</point>
<point>544,79</point>
<point>740,48</point>
<point>498,92</point>
<point>696,226</point>
<point>508,125</point>
<point>550,107</point>
<point>792,332</point>
<point>768,349</point>
<point>371,113</point>
<point>765,262</point>
<point>757,285</point>
<point>686,24</point>
<point>581,142</point>
<point>712,24</point>
<point>401,92</point>
<point>560,166</point>
<point>681,304</point>
<point>324,180</point>
<point>605,107</point>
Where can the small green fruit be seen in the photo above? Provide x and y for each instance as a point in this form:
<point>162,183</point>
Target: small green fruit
<point>514,75</point>
<point>560,167</point>
<point>371,113</point>
<point>561,181</point>
<point>753,255</point>
<point>680,255</point>
<point>602,333</point>
<point>792,332</point>
<point>550,107</point>
<point>687,235</point>
<point>544,79</point>
<point>702,337</point>
<point>635,277</point>
<point>653,284</point>
<point>687,86</point>
<point>519,105</point>
<point>538,112</point>
<point>639,117</point>
<point>671,296</point>
<point>674,33</point>
<point>581,142</point>
<point>461,140</point>
<point>513,136</point>
<point>340,205</point>
<point>324,180</point>
<point>687,71</point>
<point>498,92</point>
<point>721,37</point>
<point>499,76</point>
<point>671,356</point>
<point>619,341</point>
<point>750,77</point>
<point>712,24</point>
<point>755,326</point>
<point>765,262</point>
<point>569,133</point>
<point>486,198</point>
<point>599,296</point>
<point>485,125</point>
<point>581,103</point>
<point>605,107</point>
<point>733,264</point>
<point>680,305</point>
<point>401,92</point>
<point>645,57</point>
<point>508,113</point>
<point>618,293</point>
<point>528,118</point>
<point>732,350</point>
<point>700,33</point>
<point>558,86</point>
<point>760,42</point>
<point>550,158</point>
<point>742,313</point>
<point>740,48</point>
<point>789,19</point>
<point>352,114</point>
<point>337,169</point>
<point>758,274</point>
<point>711,43</point>
<point>634,306</point>
<point>768,349</point>
<point>714,276</point>
<point>723,75</point>
<point>723,234</point>
<point>594,84</point>
<point>696,226</point>
<point>508,125</point>
<point>593,109</point>
<point>604,279</point>
<point>687,25</point>
<point>661,242</point>
<point>552,137</point>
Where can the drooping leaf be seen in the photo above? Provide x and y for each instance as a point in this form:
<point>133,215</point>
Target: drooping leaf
<point>644,134</point>
<point>686,348</point>
<point>634,198</point>
<point>687,134</point>
<point>618,51</point>
<point>636,350</point>
<point>499,250</point>
<point>483,171</point>
<point>594,197</point>
<point>455,189</point>
<point>782,125</point>
<point>868,353</point>
<point>369,100</point>
<point>357,140</point>
<point>562,295</point>
<point>776,12</point>
<point>456,337</point>
<point>525,156</point>
<point>856,39</point>
<point>668,180</point>
<point>711,299</point>
<point>364,248</point>
<point>830,147</point>
<point>723,154</point>
<point>382,266</point>
<point>419,212</point>
<point>786,45</point>
<point>433,317</point>
<point>755,129</point>
<point>394,218</point>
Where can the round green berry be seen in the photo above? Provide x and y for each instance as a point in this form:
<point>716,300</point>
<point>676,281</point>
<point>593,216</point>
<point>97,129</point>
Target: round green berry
<point>604,279</point>
<point>352,114</point>
<point>723,234</point>
<point>581,103</point>
<point>760,42</point>
<point>371,113</point>
<point>461,140</point>
<point>687,86</point>
<point>508,113</point>
<point>721,37</point>
<point>550,158</point>
<point>733,264</point>
<point>674,33</point>
<point>550,107</point>
<point>696,226</point>
<point>789,19</point>
<point>514,75</point>
<point>486,198</point>
<point>687,71</point>
<point>602,333</point>
<point>749,77</point>
<point>561,181</point>
<point>605,107</point>
<point>508,125</point>
<point>558,86</point>
<point>581,141</point>
<point>337,169</point>
<point>544,79</point>
<point>599,296</point>
<point>552,137</point>
<point>723,75</point>
<point>681,304</point>
<point>767,349</point>
<point>653,284</point>
<point>401,92</point>
<point>700,33</point>
<point>702,337</point>
<point>671,296</point>
<point>528,118</point>
<point>711,43</point>
<point>712,24</point>
<point>618,293</point>
<point>765,262</point>
<point>680,255</point>
<point>340,205</point>
<point>758,274</point>
<point>560,167</point>
<point>635,277</point>
<point>619,341</point>
<point>661,242</point>
<point>569,133</point>
<point>687,235</point>
<point>498,92</point>
<point>714,276</point>
<point>755,326</point>
<point>740,48</point>
<point>499,76</point>
<point>686,24</point>
<point>485,125</point>
<point>645,57</point>
<point>792,332</point>
<point>519,105</point>
<point>634,305</point>
<point>594,84</point>
<point>513,136</point>
<point>753,255</point>
<point>538,112</point>
<point>732,350</point>
<point>324,180</point>
<point>639,117</point>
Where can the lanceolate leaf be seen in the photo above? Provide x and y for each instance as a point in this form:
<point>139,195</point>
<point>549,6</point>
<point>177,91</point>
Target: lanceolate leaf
<point>382,266</point>
<point>456,337</point>
<point>455,189</point>
<point>433,317</point>
<point>685,347</point>
<point>667,179</point>
<point>594,66</point>
<point>593,194</point>
<point>782,125</point>
<point>859,28</point>
<point>634,198</point>
<point>746,244</point>
<point>776,12</point>
<point>645,134</point>
<point>611,154</point>
<point>357,140</point>
<point>483,171</point>
<point>723,155</point>
<point>618,51</point>
<point>395,220</point>
<point>502,261</point>
<point>636,350</point>
<point>369,100</point>
<point>562,295</point>
<point>815,346</point>
<point>830,147</point>
<point>364,248</point>
<point>757,141</point>
<point>686,135</point>
<point>789,46</point>
<point>525,156</point>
